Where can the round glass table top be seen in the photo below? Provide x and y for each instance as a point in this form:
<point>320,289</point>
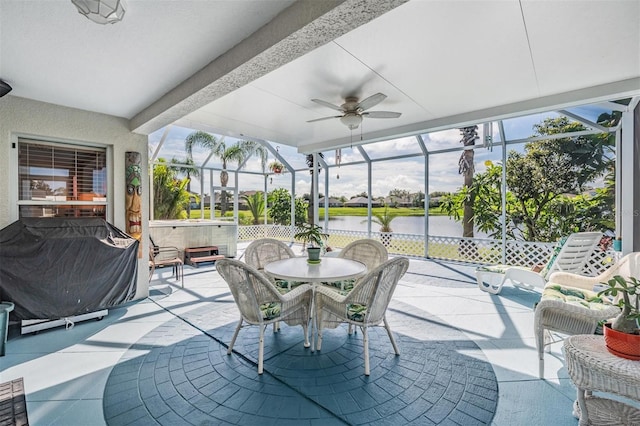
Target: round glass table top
<point>329,269</point>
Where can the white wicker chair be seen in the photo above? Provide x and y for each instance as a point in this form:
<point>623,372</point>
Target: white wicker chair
<point>570,318</point>
<point>367,251</point>
<point>365,306</point>
<point>261,304</point>
<point>570,255</point>
<point>266,250</point>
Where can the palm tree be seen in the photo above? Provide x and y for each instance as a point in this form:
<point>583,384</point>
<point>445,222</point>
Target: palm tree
<point>466,168</point>
<point>186,167</point>
<point>255,203</point>
<point>236,153</point>
<point>384,219</point>
<point>309,160</point>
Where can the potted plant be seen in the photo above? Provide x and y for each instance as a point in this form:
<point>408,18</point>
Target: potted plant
<point>384,219</point>
<point>622,336</point>
<point>311,236</point>
<point>276,167</point>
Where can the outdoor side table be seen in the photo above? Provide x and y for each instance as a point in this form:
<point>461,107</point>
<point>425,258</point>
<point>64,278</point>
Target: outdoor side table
<point>593,368</point>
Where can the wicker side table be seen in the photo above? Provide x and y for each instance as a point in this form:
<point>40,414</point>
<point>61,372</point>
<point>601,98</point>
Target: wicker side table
<point>591,367</point>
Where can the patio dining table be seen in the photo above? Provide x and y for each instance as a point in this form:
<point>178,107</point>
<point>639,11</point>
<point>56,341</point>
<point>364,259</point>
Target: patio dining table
<point>330,269</point>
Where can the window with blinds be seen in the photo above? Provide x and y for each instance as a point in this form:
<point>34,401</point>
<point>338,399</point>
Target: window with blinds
<point>57,180</point>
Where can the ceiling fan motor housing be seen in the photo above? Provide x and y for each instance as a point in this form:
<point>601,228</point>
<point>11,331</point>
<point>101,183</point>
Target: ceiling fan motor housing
<point>350,104</point>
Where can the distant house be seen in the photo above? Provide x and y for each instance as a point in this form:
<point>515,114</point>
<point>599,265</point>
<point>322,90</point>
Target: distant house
<point>333,202</point>
<point>242,204</point>
<point>362,202</point>
<point>394,201</point>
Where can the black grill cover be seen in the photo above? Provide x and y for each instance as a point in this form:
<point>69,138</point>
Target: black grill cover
<point>52,268</point>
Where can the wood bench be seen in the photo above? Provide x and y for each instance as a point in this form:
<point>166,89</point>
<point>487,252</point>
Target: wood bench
<point>195,255</point>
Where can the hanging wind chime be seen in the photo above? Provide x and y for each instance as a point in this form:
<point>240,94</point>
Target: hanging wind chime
<point>338,160</point>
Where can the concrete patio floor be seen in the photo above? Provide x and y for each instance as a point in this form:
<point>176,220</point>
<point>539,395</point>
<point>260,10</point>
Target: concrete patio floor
<point>66,372</point>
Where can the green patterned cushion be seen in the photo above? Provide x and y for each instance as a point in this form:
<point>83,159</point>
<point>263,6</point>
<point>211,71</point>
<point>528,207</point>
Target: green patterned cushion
<point>343,287</point>
<point>284,286</point>
<point>499,269</point>
<point>575,296</point>
<point>270,310</point>
<point>552,259</point>
<point>356,312</point>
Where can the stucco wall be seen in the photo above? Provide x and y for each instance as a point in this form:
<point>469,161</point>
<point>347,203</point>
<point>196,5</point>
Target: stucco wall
<point>25,117</point>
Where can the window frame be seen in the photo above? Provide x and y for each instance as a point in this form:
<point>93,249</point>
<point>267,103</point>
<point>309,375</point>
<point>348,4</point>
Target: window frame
<point>14,177</point>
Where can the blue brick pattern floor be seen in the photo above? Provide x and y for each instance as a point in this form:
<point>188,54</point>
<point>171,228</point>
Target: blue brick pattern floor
<point>186,377</point>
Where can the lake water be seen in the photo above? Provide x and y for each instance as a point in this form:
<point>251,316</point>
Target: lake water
<point>438,225</point>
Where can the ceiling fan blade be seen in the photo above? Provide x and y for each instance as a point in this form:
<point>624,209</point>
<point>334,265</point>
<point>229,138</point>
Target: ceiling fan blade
<point>324,118</point>
<point>371,101</point>
<point>382,114</point>
<point>327,104</point>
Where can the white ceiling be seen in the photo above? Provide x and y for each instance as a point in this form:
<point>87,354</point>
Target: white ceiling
<point>251,68</point>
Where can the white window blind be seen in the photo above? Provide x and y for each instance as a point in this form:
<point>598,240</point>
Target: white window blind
<point>57,180</point>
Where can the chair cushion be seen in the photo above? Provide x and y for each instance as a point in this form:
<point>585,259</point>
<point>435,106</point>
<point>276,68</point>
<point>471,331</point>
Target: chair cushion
<point>356,312</point>
<point>285,286</point>
<point>499,269</point>
<point>554,254</point>
<point>575,296</point>
<point>270,310</point>
<point>343,287</point>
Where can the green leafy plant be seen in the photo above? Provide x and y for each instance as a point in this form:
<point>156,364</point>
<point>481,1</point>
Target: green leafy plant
<point>629,289</point>
<point>255,203</point>
<point>383,219</point>
<point>311,234</point>
<point>276,167</point>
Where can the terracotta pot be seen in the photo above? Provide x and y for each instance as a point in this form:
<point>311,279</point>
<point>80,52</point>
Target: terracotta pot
<point>622,344</point>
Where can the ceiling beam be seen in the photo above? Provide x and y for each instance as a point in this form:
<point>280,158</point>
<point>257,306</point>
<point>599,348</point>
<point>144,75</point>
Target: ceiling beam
<point>301,28</point>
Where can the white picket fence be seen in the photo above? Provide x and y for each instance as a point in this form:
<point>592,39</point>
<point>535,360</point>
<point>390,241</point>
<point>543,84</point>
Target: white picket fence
<point>467,250</point>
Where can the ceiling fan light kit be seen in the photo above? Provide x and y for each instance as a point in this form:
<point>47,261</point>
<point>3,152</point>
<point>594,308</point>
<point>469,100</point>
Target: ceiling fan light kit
<point>351,120</point>
<point>101,11</point>
<point>353,111</point>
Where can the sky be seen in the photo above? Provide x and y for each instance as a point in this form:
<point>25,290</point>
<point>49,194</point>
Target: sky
<point>349,180</point>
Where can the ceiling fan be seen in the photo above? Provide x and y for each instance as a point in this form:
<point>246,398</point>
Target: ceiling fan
<point>354,111</point>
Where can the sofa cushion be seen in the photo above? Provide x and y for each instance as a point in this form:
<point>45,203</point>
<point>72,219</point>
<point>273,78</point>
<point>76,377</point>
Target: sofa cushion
<point>575,296</point>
